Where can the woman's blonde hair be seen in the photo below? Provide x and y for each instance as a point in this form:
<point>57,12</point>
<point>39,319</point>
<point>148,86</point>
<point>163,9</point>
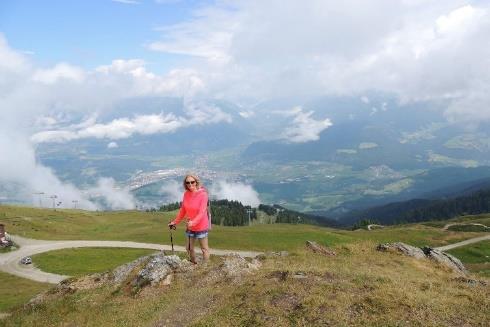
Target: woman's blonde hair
<point>196,178</point>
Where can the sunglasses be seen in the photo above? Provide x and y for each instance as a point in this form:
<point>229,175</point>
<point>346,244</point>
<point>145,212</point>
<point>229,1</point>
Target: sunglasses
<point>190,182</point>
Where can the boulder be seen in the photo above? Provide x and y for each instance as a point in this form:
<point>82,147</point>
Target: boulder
<point>317,248</point>
<point>158,268</point>
<point>426,252</point>
<point>122,272</point>
<point>406,249</point>
<point>445,259</point>
<point>234,265</point>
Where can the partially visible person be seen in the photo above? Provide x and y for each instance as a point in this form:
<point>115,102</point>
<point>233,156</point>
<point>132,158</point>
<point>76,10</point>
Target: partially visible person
<point>194,207</point>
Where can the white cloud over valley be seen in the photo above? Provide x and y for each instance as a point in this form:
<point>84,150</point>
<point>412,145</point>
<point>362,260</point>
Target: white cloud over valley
<point>235,191</point>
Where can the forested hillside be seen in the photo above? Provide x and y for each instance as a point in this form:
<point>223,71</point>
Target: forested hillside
<point>422,209</point>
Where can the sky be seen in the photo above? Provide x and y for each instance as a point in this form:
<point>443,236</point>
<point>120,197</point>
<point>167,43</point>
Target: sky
<point>92,32</point>
<point>64,63</point>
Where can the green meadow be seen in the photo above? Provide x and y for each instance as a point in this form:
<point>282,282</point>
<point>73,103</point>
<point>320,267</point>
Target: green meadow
<point>476,257</point>
<point>84,261</point>
<point>151,228</point>
<point>16,291</point>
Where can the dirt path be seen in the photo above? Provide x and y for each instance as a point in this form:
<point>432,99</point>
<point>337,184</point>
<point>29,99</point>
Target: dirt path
<point>463,243</point>
<point>9,262</point>
<point>462,224</point>
<point>370,227</point>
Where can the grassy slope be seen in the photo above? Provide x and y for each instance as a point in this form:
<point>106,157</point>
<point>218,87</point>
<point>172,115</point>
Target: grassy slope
<point>150,227</point>
<point>83,261</point>
<point>476,257</point>
<point>359,286</point>
<point>15,290</point>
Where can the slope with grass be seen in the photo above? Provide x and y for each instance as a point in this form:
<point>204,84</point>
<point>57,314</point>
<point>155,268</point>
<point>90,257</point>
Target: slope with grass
<point>476,257</point>
<point>16,291</point>
<point>358,287</point>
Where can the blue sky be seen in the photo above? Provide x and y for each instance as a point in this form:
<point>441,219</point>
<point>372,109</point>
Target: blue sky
<point>89,33</point>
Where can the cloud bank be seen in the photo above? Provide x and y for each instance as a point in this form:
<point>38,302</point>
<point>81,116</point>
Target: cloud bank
<point>36,103</point>
<point>418,50</point>
<point>235,191</point>
<point>303,127</point>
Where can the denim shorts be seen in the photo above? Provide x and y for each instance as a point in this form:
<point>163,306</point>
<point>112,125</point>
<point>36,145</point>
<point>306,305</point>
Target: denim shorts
<point>198,235</point>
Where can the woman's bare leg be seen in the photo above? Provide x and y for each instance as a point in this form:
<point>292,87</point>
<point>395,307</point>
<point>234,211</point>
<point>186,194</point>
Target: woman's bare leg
<point>190,249</point>
<point>203,242</point>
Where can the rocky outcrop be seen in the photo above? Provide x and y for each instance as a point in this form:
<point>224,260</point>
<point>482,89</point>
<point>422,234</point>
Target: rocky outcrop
<point>160,268</point>
<point>445,259</point>
<point>440,257</point>
<point>406,249</point>
<point>317,248</point>
<point>235,265</point>
<point>154,270</point>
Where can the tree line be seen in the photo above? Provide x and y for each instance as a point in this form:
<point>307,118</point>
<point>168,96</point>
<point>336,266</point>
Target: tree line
<point>476,203</point>
<point>234,213</point>
<point>417,210</point>
<point>223,212</point>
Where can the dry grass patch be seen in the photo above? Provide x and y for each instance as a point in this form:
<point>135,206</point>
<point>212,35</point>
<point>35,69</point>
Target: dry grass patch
<point>358,287</point>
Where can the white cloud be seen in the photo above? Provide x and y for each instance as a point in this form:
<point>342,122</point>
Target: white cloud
<point>61,72</point>
<point>208,36</point>
<point>457,19</point>
<point>10,60</point>
<point>127,2</point>
<point>18,165</point>
<point>32,98</point>
<point>420,51</point>
<point>112,145</point>
<point>303,127</point>
<point>116,198</point>
<point>236,192</point>
<point>247,114</point>
<point>172,191</point>
<point>196,114</point>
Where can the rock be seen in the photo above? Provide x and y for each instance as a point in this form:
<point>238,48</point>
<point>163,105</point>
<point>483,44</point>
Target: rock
<point>300,275</point>
<point>279,275</point>
<point>317,248</point>
<point>122,273</point>
<point>158,268</point>
<point>406,249</point>
<point>445,259</point>
<point>427,252</point>
<point>234,265</point>
<point>469,281</point>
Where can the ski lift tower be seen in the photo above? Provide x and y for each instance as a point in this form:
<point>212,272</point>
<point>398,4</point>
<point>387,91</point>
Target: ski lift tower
<point>54,197</point>
<point>249,211</point>
<point>39,194</point>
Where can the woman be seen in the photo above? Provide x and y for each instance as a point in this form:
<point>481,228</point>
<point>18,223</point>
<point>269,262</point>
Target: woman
<point>195,209</point>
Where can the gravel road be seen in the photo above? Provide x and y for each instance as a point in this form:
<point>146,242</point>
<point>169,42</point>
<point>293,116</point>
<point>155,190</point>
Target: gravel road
<point>462,243</point>
<point>9,262</point>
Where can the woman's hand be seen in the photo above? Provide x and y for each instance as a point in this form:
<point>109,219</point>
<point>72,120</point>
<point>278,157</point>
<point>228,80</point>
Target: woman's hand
<point>171,225</point>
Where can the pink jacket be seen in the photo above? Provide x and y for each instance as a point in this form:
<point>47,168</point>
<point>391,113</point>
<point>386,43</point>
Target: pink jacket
<point>195,208</point>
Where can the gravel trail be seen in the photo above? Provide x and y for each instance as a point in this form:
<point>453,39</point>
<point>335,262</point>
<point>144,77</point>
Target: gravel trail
<point>9,262</point>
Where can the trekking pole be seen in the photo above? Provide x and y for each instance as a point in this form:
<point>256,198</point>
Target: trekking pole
<point>172,237</point>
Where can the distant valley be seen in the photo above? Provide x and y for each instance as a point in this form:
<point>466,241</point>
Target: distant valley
<point>373,154</point>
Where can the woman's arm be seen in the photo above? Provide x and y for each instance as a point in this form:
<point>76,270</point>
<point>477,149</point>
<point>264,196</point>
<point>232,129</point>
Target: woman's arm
<point>180,215</point>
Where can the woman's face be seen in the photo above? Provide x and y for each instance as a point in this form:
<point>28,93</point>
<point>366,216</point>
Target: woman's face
<point>191,184</point>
